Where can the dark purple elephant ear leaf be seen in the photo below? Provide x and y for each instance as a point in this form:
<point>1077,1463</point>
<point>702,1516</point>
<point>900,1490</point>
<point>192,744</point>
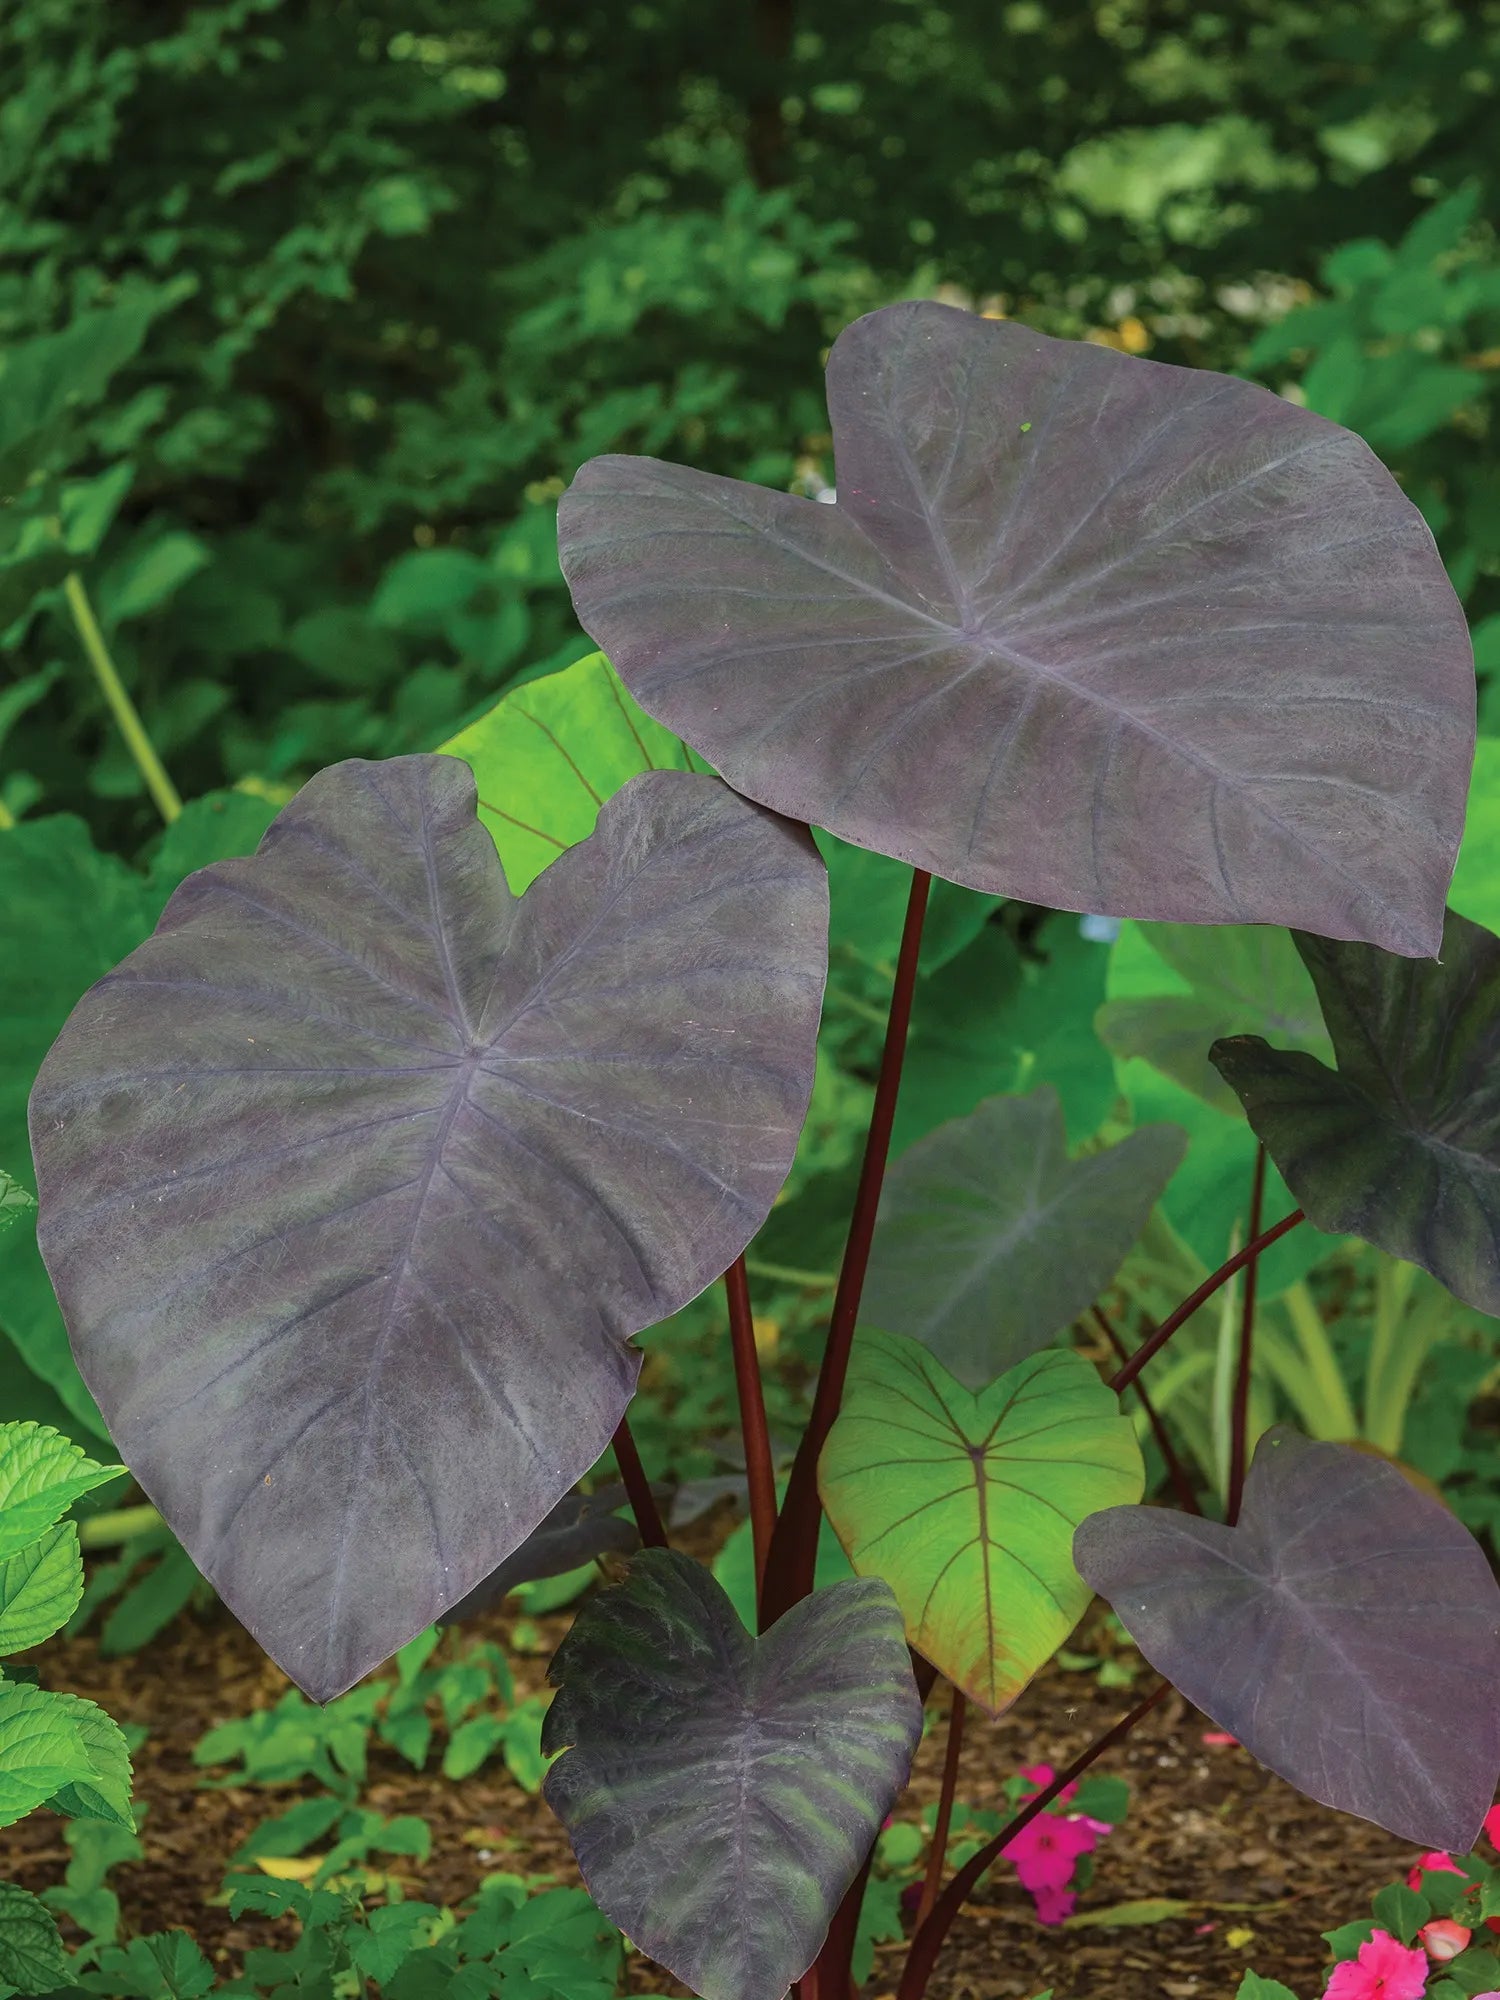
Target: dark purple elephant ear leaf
<point>1081,629</point>
<point>580,1528</point>
<point>721,1792</point>
<point>1402,1144</point>
<point>1347,1632</point>
<point>359,1174</point>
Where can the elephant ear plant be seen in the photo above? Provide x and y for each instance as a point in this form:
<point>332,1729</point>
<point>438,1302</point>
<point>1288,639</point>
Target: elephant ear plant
<point>359,1176</point>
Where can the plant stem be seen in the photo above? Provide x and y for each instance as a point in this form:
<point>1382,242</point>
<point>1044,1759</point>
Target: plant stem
<point>932,1881</point>
<point>642,1500</point>
<point>108,1531</point>
<point>7,817</point>
<point>760,1468</point>
<point>789,1569</point>
<point>137,742</point>
<point>1182,1486</point>
<point>928,1941</point>
<point>1126,1375</point>
<point>1239,1422</point>
<point>831,1976</point>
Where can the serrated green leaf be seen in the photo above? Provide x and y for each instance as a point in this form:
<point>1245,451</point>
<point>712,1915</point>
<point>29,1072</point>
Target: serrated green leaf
<point>42,1473</point>
<point>106,1794</point>
<point>41,1749</point>
<point>39,1588</point>
<point>31,1953</point>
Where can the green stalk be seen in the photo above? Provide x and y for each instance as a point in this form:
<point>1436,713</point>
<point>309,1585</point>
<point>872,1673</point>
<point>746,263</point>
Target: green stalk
<point>108,1531</point>
<point>1399,1344</point>
<point>1317,1352</point>
<point>7,817</point>
<point>137,742</point>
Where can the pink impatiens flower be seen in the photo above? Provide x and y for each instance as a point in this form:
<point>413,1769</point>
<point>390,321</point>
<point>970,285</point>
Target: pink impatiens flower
<point>1384,1970</point>
<point>1046,1851</point>
<point>1052,1905</point>
<point>1434,1862</point>
<point>1492,1826</point>
<point>1443,1938</point>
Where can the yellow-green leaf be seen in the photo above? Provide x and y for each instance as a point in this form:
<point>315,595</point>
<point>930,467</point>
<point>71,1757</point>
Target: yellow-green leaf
<point>966,1504</point>
<point>548,755</point>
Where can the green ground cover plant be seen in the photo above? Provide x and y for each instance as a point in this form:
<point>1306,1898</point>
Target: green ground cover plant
<point>360,1175</point>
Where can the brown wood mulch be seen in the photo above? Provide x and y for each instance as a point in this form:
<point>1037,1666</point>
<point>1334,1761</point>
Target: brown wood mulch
<point>1206,1825</point>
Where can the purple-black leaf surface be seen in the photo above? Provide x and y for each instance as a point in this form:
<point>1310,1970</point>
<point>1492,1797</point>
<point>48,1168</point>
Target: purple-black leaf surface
<point>1082,629</point>
<point>581,1527</point>
<point>721,1791</point>
<point>1347,1632</point>
<point>1402,1144</point>
<point>357,1177</point>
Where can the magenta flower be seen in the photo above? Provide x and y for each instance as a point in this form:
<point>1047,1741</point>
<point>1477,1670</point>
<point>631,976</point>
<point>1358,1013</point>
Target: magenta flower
<point>1046,1851</point>
<point>1052,1905</point>
<point>1434,1862</point>
<point>1492,1825</point>
<point>1384,1970</point>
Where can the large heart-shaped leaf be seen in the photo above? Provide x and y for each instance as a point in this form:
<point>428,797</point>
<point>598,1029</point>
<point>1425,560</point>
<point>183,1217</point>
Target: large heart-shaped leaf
<point>1347,1632</point>
<point>70,914</point>
<point>1204,982</point>
<point>1082,629</point>
<point>721,1792</point>
<point>358,1175</point>
<point>990,1240</point>
<point>1402,1144</point>
<point>966,1504</point>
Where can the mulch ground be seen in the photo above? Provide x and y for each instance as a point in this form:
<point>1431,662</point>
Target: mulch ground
<point>1206,1825</point>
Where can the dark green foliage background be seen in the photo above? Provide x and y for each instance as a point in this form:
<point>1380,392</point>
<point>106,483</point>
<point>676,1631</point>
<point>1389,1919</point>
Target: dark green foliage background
<point>413,263</point>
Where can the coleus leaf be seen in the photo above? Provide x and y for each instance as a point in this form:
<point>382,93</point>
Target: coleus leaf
<point>580,1527</point>
<point>1082,629</point>
<point>721,1791</point>
<point>1402,1144</point>
<point>1347,1632</point>
<point>990,1240</point>
<point>966,1504</point>
<point>357,1176</point>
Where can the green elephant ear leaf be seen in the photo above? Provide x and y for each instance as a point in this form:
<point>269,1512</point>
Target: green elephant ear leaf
<point>1400,1145</point>
<point>1205,981</point>
<point>550,753</point>
<point>991,1240</point>
<point>41,1474</point>
<point>966,1505</point>
<point>721,1792</point>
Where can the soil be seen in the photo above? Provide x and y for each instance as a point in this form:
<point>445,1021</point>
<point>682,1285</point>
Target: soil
<point>1264,1869</point>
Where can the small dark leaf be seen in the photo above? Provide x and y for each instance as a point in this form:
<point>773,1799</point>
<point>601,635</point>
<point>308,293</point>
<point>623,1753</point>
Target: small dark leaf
<point>580,1527</point>
<point>1347,1632</point>
<point>991,1240</point>
<point>1402,1145</point>
<point>1082,629</point>
<point>721,1791</point>
<point>358,1176</point>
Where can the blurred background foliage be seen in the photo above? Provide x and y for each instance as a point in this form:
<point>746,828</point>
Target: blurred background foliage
<point>309,309</point>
